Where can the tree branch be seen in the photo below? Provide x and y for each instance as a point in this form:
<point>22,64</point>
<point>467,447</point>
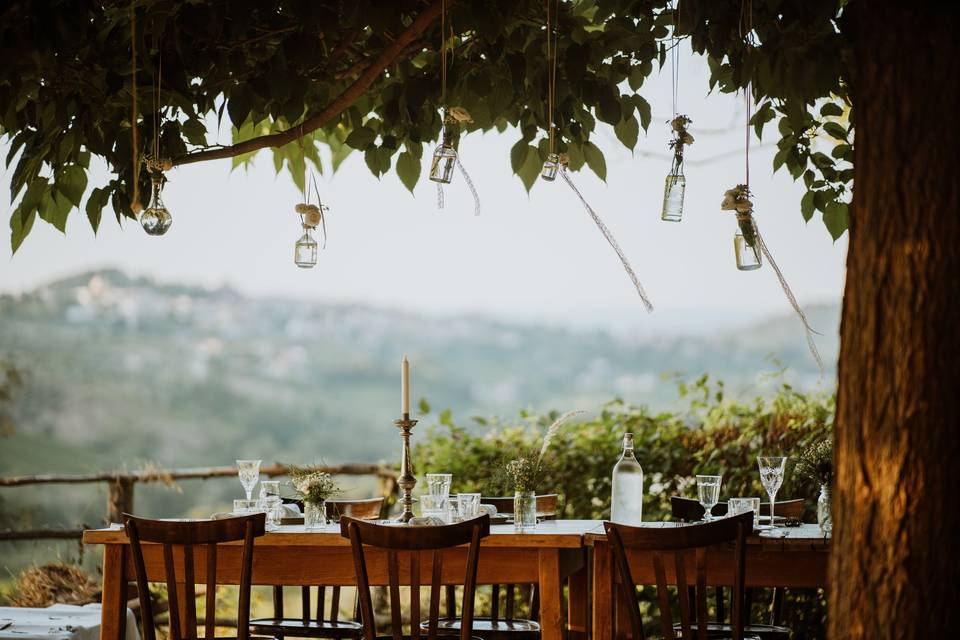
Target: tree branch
<point>387,57</point>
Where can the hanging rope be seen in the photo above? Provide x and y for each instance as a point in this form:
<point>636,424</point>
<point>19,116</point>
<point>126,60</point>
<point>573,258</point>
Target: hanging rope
<point>552,36</point>
<point>674,61</point>
<point>443,54</point>
<point>135,204</point>
<point>473,190</point>
<point>156,108</point>
<point>610,239</point>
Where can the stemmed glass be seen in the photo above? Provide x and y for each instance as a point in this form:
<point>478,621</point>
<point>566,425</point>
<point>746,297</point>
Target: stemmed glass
<point>249,472</point>
<point>771,477</point>
<point>708,493</point>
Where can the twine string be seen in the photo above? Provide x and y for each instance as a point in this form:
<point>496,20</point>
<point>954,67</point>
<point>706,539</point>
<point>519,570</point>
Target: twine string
<point>611,240</point>
<point>473,190</point>
<point>133,116</point>
<point>674,61</point>
<point>439,196</point>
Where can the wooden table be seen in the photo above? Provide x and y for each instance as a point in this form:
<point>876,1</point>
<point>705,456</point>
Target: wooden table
<point>799,560</point>
<point>549,555</point>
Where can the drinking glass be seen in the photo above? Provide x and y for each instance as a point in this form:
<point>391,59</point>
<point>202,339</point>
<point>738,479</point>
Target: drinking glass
<point>708,493</point>
<point>736,506</point>
<point>434,506</point>
<point>771,477</point>
<point>270,501</point>
<point>249,472</point>
<point>439,483</point>
<point>469,504</point>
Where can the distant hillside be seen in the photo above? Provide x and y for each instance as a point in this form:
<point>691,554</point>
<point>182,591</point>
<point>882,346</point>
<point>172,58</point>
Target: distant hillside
<point>129,369</point>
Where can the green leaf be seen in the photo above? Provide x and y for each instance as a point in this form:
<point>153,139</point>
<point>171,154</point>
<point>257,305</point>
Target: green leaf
<point>836,130</point>
<point>627,132</point>
<point>372,158</point>
<point>95,204</point>
<point>20,228</point>
<point>408,168</point>
<point>595,160</point>
<point>530,170</point>
<point>72,182</point>
<point>361,138</point>
<point>807,205</point>
<point>763,115</point>
<point>835,218</point>
<point>195,132</point>
<point>831,109</point>
<point>636,77</point>
<point>518,155</point>
<point>643,109</point>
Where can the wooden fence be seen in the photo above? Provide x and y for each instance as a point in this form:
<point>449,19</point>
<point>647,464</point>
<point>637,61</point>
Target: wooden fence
<point>121,485</point>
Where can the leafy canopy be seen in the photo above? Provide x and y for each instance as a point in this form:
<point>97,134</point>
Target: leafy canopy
<point>366,74</point>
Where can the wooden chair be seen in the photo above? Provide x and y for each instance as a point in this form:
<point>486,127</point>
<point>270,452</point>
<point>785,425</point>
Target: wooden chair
<point>415,543</point>
<point>186,540</point>
<point>319,625</point>
<point>671,549</point>
<point>507,626</point>
<point>689,510</point>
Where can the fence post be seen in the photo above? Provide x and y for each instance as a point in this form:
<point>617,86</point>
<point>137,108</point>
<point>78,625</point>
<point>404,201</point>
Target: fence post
<point>119,498</point>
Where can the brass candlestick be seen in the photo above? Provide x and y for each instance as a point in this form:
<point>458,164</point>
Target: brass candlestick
<point>407,481</point>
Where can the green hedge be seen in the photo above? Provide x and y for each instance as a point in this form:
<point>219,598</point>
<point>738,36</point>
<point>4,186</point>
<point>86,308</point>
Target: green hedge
<point>712,433</point>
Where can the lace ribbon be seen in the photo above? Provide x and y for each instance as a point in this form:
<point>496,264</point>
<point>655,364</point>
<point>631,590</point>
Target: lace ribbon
<point>473,190</point>
<point>808,330</point>
<point>613,243</point>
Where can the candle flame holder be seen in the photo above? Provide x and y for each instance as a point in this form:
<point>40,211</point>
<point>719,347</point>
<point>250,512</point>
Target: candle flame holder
<point>407,481</point>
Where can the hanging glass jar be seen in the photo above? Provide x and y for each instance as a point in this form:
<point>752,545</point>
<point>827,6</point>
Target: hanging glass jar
<point>550,167</point>
<point>748,257</point>
<point>824,515</point>
<point>673,191</point>
<point>444,161</point>
<point>155,219</point>
<point>305,250</point>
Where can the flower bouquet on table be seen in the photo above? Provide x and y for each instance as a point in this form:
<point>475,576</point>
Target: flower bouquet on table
<point>524,472</point>
<point>314,488</point>
<point>816,463</point>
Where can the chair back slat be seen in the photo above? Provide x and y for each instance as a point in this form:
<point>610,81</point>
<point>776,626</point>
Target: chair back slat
<point>334,603</point>
<point>321,601</point>
<point>435,578</point>
<point>508,610</point>
<point>451,600</point>
<point>415,595</point>
<point>683,592</point>
<point>173,597</point>
<point>690,510</point>
<point>211,597</point>
<point>394,576</point>
<point>663,595</point>
<point>304,605</point>
<point>678,542</point>
<point>184,537</point>
<point>494,603</point>
<point>413,540</point>
<point>625,585</point>
<point>189,591</point>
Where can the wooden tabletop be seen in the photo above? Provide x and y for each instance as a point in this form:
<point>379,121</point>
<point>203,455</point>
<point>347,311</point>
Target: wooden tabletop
<point>557,534</point>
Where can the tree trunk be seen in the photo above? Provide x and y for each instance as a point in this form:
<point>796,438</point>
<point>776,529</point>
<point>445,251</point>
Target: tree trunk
<point>896,554</point>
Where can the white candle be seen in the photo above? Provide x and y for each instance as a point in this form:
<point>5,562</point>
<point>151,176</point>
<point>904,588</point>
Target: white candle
<point>405,387</point>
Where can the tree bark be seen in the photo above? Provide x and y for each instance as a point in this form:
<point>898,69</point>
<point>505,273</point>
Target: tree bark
<point>895,565</point>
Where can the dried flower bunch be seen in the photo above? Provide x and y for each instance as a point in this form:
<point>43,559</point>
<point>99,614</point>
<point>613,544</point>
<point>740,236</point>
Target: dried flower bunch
<point>816,462</point>
<point>738,199</point>
<point>312,486</point>
<point>526,469</point>
<point>680,134</point>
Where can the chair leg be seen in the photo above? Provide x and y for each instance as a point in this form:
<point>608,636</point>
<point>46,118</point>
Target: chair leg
<point>278,606</point>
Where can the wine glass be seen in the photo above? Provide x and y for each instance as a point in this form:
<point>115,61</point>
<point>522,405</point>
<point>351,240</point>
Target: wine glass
<point>708,493</point>
<point>771,477</point>
<point>249,472</point>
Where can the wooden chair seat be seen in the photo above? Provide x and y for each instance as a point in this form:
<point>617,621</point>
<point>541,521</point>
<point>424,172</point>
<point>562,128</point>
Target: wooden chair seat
<point>717,631</point>
<point>310,629</point>
<point>490,629</point>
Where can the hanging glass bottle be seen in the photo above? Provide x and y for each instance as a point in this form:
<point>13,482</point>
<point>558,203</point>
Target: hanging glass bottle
<point>444,158</point>
<point>305,251</point>
<point>155,219</point>
<point>748,257</point>
<point>550,167</point>
<point>676,184</point>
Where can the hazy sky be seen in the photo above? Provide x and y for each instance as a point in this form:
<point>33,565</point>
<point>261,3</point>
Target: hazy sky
<point>532,258</point>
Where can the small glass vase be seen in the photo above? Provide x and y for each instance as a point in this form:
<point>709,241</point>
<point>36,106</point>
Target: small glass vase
<point>748,257</point>
<point>314,515</point>
<point>524,510</point>
<point>673,190</point>
<point>824,515</point>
